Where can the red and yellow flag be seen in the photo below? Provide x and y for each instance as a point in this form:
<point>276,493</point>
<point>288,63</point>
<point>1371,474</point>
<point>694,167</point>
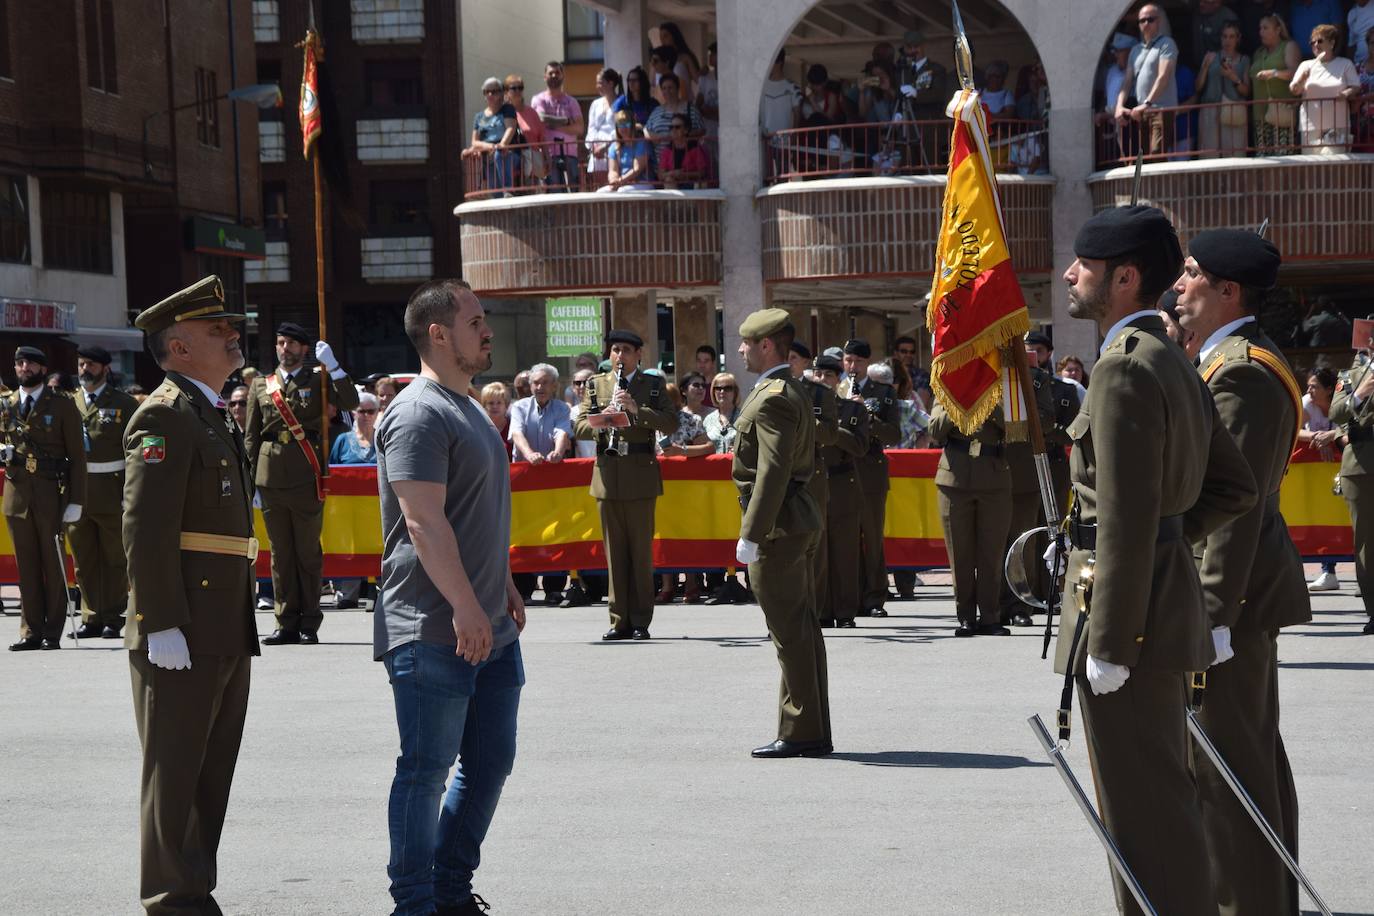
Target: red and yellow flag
<point>310,89</point>
<point>976,306</point>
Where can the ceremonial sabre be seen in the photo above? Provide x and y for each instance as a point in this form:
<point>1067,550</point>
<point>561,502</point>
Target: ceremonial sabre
<point>1253,810</point>
<point>1056,754</point>
<point>62,565</point>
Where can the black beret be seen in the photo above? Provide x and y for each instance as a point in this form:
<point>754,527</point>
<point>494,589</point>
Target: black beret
<point>1120,231</point>
<point>99,354</point>
<point>1039,339</point>
<point>33,354</point>
<point>801,349</point>
<point>1237,255</point>
<point>826,361</point>
<point>858,347</point>
<point>620,335</point>
<point>293,331</point>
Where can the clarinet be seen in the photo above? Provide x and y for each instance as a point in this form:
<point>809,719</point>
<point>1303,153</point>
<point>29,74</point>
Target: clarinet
<point>616,444</point>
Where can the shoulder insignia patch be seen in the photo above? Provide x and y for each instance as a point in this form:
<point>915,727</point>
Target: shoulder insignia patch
<point>154,449</point>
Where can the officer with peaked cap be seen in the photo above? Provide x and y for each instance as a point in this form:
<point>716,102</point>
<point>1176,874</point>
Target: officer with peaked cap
<point>285,433</point>
<point>188,537</point>
<point>884,431</point>
<point>96,539</point>
<point>626,482</point>
<point>45,487</point>
<point>775,457</point>
<point>1252,576</point>
<point>1152,467</point>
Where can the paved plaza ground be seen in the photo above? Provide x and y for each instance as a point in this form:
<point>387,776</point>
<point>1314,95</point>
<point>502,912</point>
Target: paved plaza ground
<point>634,792</point>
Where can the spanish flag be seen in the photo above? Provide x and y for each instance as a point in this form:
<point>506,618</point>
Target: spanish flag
<point>310,88</point>
<point>976,307</point>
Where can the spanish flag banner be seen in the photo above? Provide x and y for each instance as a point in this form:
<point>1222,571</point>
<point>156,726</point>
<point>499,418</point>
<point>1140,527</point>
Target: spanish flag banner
<point>976,306</point>
<point>310,88</point>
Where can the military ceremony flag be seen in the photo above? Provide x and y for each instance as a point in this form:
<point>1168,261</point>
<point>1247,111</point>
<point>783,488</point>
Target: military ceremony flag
<point>310,91</point>
<point>976,307</point>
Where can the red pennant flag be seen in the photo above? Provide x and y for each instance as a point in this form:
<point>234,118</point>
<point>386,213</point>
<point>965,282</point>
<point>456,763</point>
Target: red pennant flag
<point>310,99</point>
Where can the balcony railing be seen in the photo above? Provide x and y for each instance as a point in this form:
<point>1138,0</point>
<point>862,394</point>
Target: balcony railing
<point>890,148</point>
<point>1239,129</point>
<point>540,168</point>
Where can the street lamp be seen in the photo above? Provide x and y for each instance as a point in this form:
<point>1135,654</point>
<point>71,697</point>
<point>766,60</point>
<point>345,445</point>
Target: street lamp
<point>263,95</point>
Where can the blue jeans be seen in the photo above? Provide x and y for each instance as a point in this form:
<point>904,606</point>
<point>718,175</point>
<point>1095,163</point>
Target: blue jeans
<point>447,709</point>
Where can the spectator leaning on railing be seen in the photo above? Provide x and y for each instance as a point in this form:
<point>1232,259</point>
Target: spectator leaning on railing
<point>629,158</point>
<point>534,156</point>
<point>1326,84</point>
<point>1272,66</point>
<point>1150,79</point>
<point>1223,84</point>
<point>562,116</point>
<point>681,162</point>
<point>601,121</point>
<point>493,130</point>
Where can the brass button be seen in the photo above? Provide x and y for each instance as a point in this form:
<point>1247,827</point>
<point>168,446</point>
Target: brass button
<point>204,583</point>
<point>138,617</point>
<point>223,462</point>
<point>1139,639</point>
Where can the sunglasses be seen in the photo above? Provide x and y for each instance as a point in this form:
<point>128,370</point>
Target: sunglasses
<point>1318,41</point>
<point>518,87</point>
<point>1146,20</point>
<point>723,388</point>
<point>579,384</point>
<point>238,403</point>
<point>366,410</point>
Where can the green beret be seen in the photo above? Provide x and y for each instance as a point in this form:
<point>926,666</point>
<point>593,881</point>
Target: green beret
<point>1120,231</point>
<point>764,323</point>
<point>202,300</point>
<point>1237,255</point>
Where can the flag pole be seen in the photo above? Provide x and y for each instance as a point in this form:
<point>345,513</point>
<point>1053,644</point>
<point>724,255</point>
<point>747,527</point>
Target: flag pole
<point>312,125</point>
<point>325,379</point>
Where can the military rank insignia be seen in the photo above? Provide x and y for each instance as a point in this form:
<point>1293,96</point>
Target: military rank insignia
<point>154,449</point>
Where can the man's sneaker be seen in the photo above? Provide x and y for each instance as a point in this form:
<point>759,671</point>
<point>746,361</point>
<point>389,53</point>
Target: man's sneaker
<point>1326,582</point>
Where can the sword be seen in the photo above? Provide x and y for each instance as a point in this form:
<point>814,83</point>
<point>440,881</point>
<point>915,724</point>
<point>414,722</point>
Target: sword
<point>62,565</point>
<point>1056,754</point>
<point>1253,810</point>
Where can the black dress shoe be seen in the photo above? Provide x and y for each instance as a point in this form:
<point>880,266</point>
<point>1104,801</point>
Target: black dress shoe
<point>965,629</point>
<point>639,633</point>
<point>27,645</point>
<point>345,604</point>
<point>717,597</point>
<point>906,594</point>
<point>553,599</point>
<point>827,623</point>
<point>88,631</point>
<point>876,612</point>
<point>109,633</point>
<point>1368,629</point>
<point>574,597</point>
<point>283,638</point>
<point>992,629</point>
<point>1022,620</point>
<point>51,644</point>
<point>864,612</point>
<point>781,748</point>
<point>845,623</point>
<point>310,639</point>
<point>613,634</point>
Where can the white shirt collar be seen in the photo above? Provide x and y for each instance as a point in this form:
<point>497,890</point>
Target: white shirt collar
<point>920,63</point>
<point>288,376</point>
<point>33,392</point>
<point>763,376</point>
<point>205,389</point>
<point>1220,334</point>
<point>92,395</point>
<point>1117,328</point>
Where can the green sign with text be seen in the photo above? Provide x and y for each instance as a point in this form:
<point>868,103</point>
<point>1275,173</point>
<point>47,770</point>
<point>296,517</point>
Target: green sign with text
<point>573,326</point>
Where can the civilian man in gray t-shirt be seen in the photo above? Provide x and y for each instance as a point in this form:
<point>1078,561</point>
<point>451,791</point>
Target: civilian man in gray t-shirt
<point>448,616</point>
<point>1152,78</point>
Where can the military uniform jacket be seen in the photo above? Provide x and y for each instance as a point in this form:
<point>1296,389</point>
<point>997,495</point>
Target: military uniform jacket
<point>884,430</point>
<point>1252,575</point>
<point>850,437</point>
<point>1358,457</point>
<point>825,410</point>
<point>775,456</point>
<point>1057,440</point>
<point>274,457</point>
<point>103,422</point>
<point>984,466</point>
<point>1020,456</point>
<point>1148,443</point>
<point>634,475</point>
<point>185,472</point>
<point>51,436</point>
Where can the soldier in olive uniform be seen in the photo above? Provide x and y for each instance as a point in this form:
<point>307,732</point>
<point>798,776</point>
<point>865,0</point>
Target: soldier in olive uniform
<point>96,540</point>
<point>286,479</point>
<point>626,482</point>
<point>973,481</point>
<point>825,411</point>
<point>1252,576</point>
<point>884,430</point>
<point>45,487</point>
<point>775,457</point>
<point>1027,505</point>
<point>1067,397</point>
<point>1153,469</point>
<point>1352,408</point>
<point>188,526</point>
<point>840,587</point>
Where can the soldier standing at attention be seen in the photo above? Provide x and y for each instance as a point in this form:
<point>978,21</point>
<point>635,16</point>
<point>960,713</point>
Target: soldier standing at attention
<point>824,411</point>
<point>1067,397</point>
<point>626,482</point>
<point>1154,469</point>
<point>884,429</point>
<point>775,457</point>
<point>285,425</point>
<point>188,537</point>
<point>45,488</point>
<point>1027,505</point>
<point>96,540</point>
<point>1352,408</point>
<point>1252,576</point>
<point>839,590</point>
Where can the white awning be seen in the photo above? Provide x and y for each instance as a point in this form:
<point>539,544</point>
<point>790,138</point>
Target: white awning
<point>109,338</point>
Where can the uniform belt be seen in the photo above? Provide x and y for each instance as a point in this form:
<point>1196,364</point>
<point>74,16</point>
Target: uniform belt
<point>1084,537</point>
<point>309,435</point>
<point>845,467</point>
<point>104,467</point>
<point>222,544</point>
<point>985,450</point>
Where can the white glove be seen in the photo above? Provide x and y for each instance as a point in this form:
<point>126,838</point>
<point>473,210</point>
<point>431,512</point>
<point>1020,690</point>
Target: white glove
<point>72,514</point>
<point>325,355</point>
<point>168,649</point>
<point>6,453</point>
<point>1105,677</point>
<point>908,90</point>
<point>746,552</point>
<point>1050,564</point>
<point>1221,642</point>
<point>257,500</point>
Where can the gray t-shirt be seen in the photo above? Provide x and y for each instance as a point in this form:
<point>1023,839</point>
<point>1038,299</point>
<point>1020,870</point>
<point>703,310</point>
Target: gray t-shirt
<point>1146,61</point>
<point>432,434</point>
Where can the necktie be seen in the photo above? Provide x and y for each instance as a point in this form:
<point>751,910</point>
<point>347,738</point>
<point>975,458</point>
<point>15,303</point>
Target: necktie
<point>26,407</point>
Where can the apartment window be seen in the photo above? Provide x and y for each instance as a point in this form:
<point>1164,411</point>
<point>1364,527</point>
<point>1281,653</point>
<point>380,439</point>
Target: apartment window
<point>101,71</point>
<point>5,71</point>
<point>207,107</point>
<point>269,72</point>
<point>274,210</point>
<point>76,228</point>
<point>399,204</point>
<point>394,83</point>
<point>584,32</point>
<point>14,219</point>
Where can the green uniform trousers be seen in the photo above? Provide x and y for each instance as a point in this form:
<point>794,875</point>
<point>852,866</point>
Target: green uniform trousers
<point>976,524</point>
<point>97,543</point>
<point>1359,498</point>
<point>1137,740</point>
<point>844,553</point>
<point>628,528</point>
<point>294,518</point>
<point>1025,515</point>
<point>872,520</point>
<point>189,723</point>
<point>1240,713</point>
<point>818,568</point>
<point>780,581</point>
<point>42,580</point>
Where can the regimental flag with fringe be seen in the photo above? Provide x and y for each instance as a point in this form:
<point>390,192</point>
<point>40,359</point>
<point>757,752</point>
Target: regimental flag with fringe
<point>310,89</point>
<point>976,307</point>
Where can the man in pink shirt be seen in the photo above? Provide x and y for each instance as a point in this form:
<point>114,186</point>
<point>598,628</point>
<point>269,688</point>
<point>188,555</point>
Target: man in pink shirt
<point>562,115</point>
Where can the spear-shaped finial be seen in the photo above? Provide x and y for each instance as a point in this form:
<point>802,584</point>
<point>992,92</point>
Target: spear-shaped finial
<point>963,54</point>
<point>1263,229</point>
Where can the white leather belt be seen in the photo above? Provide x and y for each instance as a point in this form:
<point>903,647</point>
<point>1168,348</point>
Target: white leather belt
<point>104,467</point>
